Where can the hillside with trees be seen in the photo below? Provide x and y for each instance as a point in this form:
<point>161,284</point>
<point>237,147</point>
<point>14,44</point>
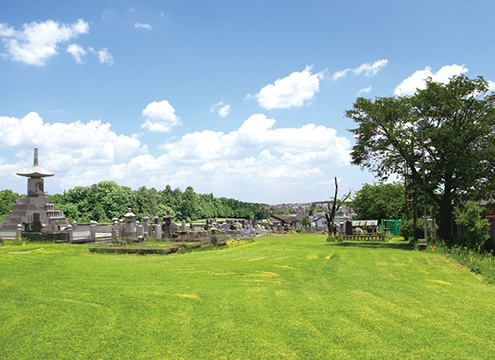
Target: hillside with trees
<point>105,200</point>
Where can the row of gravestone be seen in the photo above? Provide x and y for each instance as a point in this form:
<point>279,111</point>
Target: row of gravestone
<point>129,229</point>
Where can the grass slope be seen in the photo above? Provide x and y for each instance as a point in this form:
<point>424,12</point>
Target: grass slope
<point>291,297</point>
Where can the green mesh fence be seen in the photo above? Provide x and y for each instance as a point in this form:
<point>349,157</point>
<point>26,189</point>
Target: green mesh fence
<point>393,225</point>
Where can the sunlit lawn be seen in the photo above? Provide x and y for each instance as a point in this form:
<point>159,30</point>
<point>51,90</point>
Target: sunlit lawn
<point>289,297</point>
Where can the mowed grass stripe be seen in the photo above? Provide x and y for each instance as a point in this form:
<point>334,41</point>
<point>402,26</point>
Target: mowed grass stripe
<point>290,297</point>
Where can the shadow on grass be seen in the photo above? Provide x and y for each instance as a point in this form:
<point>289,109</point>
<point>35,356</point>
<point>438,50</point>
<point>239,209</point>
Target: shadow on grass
<point>402,245</point>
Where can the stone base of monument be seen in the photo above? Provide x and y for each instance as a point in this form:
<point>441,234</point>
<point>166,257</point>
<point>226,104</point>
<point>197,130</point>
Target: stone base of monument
<point>54,237</point>
<point>130,250</point>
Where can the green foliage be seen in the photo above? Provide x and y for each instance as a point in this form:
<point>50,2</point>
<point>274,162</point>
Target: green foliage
<point>456,121</point>
<point>408,232</point>
<point>305,221</point>
<point>476,228</point>
<point>100,202</point>
<point>380,201</point>
<point>145,203</point>
<point>189,206</point>
<point>7,198</point>
<point>106,200</point>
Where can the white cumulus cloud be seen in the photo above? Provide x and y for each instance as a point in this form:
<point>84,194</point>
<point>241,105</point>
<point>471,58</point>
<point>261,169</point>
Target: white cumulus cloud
<point>297,89</point>
<point>367,69</point>
<point>224,111</point>
<point>160,117</point>
<point>105,57</point>
<point>221,108</point>
<point>418,79</point>
<point>36,42</point>
<point>77,52</point>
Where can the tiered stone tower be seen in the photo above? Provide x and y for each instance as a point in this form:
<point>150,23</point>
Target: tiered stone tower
<point>35,207</point>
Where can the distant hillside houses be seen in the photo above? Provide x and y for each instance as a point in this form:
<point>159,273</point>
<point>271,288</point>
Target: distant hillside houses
<point>290,216</point>
<point>304,208</point>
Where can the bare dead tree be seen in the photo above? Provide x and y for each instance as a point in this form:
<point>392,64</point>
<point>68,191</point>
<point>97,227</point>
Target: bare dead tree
<point>330,215</point>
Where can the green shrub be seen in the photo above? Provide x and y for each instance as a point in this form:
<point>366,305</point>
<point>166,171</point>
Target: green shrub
<point>407,230</point>
<point>334,237</point>
<point>476,228</point>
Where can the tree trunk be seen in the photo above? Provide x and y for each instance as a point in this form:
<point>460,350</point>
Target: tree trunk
<point>415,215</point>
<point>408,198</point>
<point>330,216</point>
<point>445,223</point>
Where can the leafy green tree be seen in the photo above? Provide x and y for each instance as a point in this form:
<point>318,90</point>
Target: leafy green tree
<point>305,221</point>
<point>106,200</point>
<point>189,206</point>
<point>7,199</point>
<point>98,214</point>
<point>207,204</point>
<point>313,210</point>
<point>452,122</point>
<point>146,203</point>
<point>84,198</point>
<point>476,228</point>
<point>261,211</point>
<point>380,201</point>
<point>114,199</point>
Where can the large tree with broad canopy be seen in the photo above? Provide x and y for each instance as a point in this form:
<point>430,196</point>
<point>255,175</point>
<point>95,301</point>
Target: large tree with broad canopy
<point>445,130</point>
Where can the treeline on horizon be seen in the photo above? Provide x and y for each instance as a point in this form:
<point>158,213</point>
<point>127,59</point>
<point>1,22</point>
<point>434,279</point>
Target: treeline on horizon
<point>105,200</point>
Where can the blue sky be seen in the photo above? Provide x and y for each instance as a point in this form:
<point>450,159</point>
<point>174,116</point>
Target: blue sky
<point>242,99</point>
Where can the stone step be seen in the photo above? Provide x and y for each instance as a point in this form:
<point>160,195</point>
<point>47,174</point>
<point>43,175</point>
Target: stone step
<point>13,220</point>
<point>9,227</point>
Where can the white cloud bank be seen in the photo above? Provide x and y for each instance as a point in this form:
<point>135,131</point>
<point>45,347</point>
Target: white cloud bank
<point>160,117</point>
<point>75,139</point>
<point>257,162</point>
<point>297,89</point>
<point>39,41</point>
<point>418,79</point>
<point>309,145</point>
<point>74,150</point>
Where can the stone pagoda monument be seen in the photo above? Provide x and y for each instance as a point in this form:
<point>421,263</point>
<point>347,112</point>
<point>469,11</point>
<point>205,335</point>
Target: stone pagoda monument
<point>35,209</point>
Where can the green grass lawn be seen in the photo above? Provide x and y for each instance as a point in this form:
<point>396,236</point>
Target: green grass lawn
<point>287,297</point>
